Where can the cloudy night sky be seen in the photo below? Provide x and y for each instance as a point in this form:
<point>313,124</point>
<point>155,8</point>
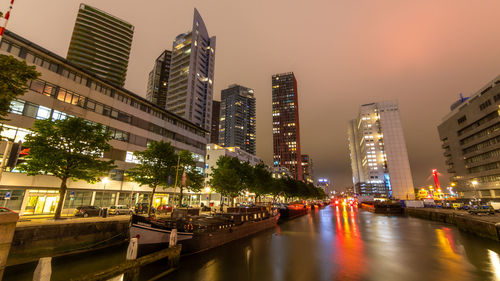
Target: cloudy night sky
<point>343,53</point>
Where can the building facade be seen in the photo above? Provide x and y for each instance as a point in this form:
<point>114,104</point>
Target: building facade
<point>214,152</point>
<point>190,87</point>
<point>101,44</point>
<point>238,118</point>
<point>470,136</point>
<point>286,132</point>
<point>307,169</point>
<point>156,91</point>
<point>379,159</point>
<point>64,89</point>
<point>214,131</point>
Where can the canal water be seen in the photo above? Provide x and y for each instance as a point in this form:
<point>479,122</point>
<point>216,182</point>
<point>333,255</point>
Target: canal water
<point>335,243</point>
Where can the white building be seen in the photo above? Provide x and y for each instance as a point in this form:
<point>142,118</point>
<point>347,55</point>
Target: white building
<point>379,159</point>
<point>65,89</point>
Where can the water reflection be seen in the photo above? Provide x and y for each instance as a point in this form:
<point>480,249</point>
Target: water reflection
<point>336,243</point>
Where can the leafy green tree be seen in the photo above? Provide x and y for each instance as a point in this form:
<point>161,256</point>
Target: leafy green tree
<point>67,149</point>
<point>14,77</point>
<point>194,179</point>
<point>261,181</point>
<point>156,164</point>
<point>226,177</point>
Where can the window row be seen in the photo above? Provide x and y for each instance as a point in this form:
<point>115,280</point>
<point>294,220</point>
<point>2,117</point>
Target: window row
<point>483,156</point>
<point>70,97</point>
<point>30,57</point>
<point>481,145</point>
<point>480,134</point>
<point>479,122</point>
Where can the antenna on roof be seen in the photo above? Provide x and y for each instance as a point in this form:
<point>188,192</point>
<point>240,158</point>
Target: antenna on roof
<point>6,19</point>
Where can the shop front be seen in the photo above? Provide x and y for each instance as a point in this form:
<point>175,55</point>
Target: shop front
<point>41,201</point>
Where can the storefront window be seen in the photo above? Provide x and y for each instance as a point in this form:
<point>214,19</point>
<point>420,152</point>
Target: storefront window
<point>125,198</point>
<point>77,198</point>
<point>15,201</point>
<point>104,199</point>
<point>41,201</point>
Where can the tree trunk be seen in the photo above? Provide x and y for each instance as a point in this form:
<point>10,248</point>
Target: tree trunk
<point>221,203</point>
<point>180,197</point>
<point>151,201</point>
<point>62,193</point>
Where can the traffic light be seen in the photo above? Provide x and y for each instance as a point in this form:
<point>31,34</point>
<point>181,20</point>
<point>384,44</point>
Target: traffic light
<point>16,155</point>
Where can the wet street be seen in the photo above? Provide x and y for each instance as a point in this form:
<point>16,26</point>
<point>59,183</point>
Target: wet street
<point>335,243</point>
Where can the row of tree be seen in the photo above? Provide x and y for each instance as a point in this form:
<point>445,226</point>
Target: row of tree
<point>232,178</point>
<point>72,149</point>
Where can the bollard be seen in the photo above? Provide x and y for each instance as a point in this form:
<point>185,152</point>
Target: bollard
<point>173,238</point>
<point>43,270</point>
<point>132,249</point>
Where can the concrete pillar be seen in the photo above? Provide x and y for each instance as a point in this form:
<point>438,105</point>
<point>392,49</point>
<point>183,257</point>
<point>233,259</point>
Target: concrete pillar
<point>92,199</point>
<point>173,238</point>
<point>117,198</point>
<point>25,202</point>
<point>43,270</point>
<point>132,249</point>
<point>8,222</point>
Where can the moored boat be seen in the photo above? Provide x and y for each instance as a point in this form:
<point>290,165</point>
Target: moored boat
<point>197,233</point>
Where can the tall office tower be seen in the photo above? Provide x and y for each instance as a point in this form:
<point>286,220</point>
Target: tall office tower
<point>286,133</point>
<point>190,88</point>
<point>101,44</point>
<point>214,132</point>
<point>470,133</point>
<point>158,80</point>
<point>379,159</point>
<point>307,169</point>
<point>237,118</point>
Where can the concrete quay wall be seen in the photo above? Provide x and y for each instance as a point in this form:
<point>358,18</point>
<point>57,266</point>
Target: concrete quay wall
<point>32,242</point>
<point>481,225</point>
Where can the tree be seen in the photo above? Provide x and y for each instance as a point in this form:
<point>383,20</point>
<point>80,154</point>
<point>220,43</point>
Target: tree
<point>261,182</point>
<point>194,180</point>
<point>226,177</point>
<point>156,165</point>
<point>14,77</point>
<point>67,149</point>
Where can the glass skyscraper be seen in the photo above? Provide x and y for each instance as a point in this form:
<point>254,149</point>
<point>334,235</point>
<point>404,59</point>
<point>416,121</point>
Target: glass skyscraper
<point>101,44</point>
<point>190,87</point>
<point>237,118</point>
<point>286,133</point>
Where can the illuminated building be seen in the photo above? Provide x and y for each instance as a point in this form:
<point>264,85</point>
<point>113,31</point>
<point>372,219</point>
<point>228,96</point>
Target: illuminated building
<point>379,159</point>
<point>213,153</point>
<point>307,169</point>
<point>470,135</point>
<point>101,44</point>
<point>214,131</point>
<point>190,84</point>
<point>286,133</point>
<point>63,90</point>
<point>323,183</point>
<point>237,118</point>
<point>156,91</point>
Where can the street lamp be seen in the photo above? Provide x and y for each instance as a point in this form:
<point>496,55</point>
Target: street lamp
<point>105,181</point>
<point>474,184</point>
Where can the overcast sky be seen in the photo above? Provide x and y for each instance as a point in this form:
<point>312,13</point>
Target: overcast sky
<point>343,53</point>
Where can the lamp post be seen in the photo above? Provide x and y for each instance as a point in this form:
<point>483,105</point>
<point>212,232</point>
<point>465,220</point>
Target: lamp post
<point>474,184</point>
<point>105,180</point>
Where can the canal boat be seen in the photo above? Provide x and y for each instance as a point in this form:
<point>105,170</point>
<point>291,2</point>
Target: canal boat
<point>291,211</point>
<point>201,232</point>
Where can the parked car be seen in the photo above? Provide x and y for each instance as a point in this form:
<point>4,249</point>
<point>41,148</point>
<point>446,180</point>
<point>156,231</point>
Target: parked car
<point>119,210</point>
<point>87,211</point>
<point>164,209</point>
<point>142,208</point>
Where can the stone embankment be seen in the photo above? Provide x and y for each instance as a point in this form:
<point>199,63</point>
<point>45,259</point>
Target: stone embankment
<point>45,238</point>
<point>487,226</point>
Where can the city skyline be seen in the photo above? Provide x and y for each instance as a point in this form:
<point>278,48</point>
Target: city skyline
<point>396,66</point>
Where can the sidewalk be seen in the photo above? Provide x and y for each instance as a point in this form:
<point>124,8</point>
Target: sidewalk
<point>67,220</point>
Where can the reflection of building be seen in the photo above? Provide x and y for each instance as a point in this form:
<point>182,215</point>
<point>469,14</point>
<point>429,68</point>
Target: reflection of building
<point>286,133</point>
<point>307,169</point>
<point>214,131</point>
<point>156,91</point>
<point>214,152</point>
<point>190,88</point>
<point>64,90</point>
<point>237,118</point>
<point>101,44</point>
<point>379,159</point>
<point>470,136</point>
